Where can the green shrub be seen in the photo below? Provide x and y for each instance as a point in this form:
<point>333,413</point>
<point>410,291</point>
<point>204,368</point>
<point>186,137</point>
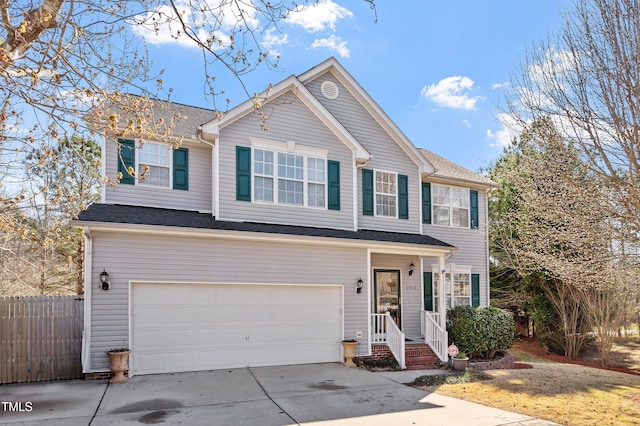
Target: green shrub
<point>480,332</point>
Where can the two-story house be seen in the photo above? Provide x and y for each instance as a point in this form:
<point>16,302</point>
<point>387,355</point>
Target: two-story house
<point>247,247</point>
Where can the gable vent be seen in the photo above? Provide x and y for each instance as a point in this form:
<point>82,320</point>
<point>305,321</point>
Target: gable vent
<point>329,90</point>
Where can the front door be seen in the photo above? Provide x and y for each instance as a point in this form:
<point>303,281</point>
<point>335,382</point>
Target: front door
<point>386,284</point>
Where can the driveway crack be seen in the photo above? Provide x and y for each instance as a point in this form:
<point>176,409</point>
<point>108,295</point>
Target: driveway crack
<point>99,403</point>
<point>269,396</point>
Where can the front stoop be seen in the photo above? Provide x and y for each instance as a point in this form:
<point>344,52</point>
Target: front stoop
<point>419,356</point>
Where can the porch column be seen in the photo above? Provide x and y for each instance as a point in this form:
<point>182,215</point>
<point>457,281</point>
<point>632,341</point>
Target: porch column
<point>441,296</point>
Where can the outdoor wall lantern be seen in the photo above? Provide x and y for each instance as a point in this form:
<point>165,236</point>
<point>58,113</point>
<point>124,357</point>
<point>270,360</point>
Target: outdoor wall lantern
<point>104,280</point>
<point>412,268</point>
<point>359,286</point>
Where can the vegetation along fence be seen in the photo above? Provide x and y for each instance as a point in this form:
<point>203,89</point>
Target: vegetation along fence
<point>40,338</point>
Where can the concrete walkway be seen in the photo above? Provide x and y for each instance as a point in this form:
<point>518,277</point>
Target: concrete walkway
<point>314,394</point>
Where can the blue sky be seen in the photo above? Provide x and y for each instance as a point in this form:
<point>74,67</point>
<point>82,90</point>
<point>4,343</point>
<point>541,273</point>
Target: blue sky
<point>438,69</point>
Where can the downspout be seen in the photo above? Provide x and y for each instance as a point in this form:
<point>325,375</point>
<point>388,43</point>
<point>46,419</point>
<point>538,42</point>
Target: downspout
<point>88,289</point>
<point>486,236</point>
<point>215,175</point>
<point>103,168</point>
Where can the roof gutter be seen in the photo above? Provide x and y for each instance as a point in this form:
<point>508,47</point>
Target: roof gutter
<point>377,246</point>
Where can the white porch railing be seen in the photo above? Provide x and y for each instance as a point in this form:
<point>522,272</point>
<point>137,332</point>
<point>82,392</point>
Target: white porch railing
<point>434,335</point>
<point>385,330</point>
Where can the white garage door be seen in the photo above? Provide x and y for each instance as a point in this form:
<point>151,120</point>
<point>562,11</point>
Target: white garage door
<point>184,327</point>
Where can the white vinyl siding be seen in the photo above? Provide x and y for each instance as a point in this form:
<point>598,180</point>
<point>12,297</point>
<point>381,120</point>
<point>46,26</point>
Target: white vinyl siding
<point>197,198</point>
<point>137,257</point>
<point>471,245</point>
<point>386,154</point>
<point>289,121</point>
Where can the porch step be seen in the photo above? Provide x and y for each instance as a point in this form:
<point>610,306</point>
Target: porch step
<point>419,356</point>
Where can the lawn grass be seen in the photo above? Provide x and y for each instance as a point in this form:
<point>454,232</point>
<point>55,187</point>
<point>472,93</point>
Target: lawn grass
<point>563,393</point>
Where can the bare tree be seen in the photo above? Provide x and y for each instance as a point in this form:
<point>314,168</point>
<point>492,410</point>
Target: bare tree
<point>587,80</point>
<point>554,226</point>
<point>60,59</point>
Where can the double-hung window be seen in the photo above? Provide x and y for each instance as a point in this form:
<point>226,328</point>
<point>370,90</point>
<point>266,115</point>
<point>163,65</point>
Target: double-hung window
<point>386,193</point>
<point>316,177</point>
<point>457,289</point>
<point>291,179</point>
<point>263,175</point>
<point>450,206</point>
<point>287,176</point>
<point>154,164</point>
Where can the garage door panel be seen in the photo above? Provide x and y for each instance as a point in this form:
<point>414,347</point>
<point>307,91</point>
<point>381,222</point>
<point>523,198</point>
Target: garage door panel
<point>180,327</point>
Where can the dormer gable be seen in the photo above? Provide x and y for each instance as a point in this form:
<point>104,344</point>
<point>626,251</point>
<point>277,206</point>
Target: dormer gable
<point>337,71</point>
<point>211,130</point>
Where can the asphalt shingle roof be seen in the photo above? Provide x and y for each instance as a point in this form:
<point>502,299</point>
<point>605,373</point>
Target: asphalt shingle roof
<point>116,213</point>
<point>449,169</point>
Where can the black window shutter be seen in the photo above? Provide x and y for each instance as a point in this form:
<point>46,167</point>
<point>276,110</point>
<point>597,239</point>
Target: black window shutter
<point>475,290</point>
<point>428,291</point>
<point>333,178</point>
<point>403,197</point>
<point>181,169</point>
<point>367,192</point>
<point>243,173</point>
<point>126,159</point>
<point>473,203</point>
<point>426,202</point>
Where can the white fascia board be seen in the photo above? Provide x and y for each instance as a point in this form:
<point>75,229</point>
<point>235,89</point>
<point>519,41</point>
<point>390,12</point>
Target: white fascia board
<point>209,131</point>
<point>374,246</point>
<point>370,105</point>
<point>467,183</point>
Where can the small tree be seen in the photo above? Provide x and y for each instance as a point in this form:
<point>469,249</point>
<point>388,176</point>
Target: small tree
<point>62,179</point>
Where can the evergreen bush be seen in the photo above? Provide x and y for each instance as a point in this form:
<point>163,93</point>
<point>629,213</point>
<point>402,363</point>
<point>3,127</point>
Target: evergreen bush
<point>480,332</point>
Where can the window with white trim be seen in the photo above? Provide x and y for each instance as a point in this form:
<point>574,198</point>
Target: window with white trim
<point>263,175</point>
<point>457,288</point>
<point>288,176</point>
<point>386,193</point>
<point>154,164</point>
<point>450,206</point>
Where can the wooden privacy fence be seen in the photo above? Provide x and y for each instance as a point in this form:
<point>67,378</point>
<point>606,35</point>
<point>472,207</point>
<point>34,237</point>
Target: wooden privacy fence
<point>40,338</point>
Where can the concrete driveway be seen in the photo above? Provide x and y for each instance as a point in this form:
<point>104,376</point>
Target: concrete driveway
<point>317,394</point>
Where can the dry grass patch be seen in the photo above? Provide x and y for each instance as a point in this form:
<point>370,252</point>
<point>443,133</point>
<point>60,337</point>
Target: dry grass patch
<point>563,393</point>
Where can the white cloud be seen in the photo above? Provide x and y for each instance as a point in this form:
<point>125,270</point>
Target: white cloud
<point>466,123</point>
<point>452,92</point>
<point>332,43</point>
<point>319,16</point>
<point>216,22</point>
<point>510,129</point>
<point>500,85</point>
<point>272,41</point>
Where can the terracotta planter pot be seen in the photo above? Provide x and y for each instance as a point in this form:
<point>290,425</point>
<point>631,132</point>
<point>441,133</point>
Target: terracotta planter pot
<point>349,350</point>
<point>460,364</point>
<point>119,364</point>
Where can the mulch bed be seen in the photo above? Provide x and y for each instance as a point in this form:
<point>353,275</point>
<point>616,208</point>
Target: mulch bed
<point>533,347</point>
